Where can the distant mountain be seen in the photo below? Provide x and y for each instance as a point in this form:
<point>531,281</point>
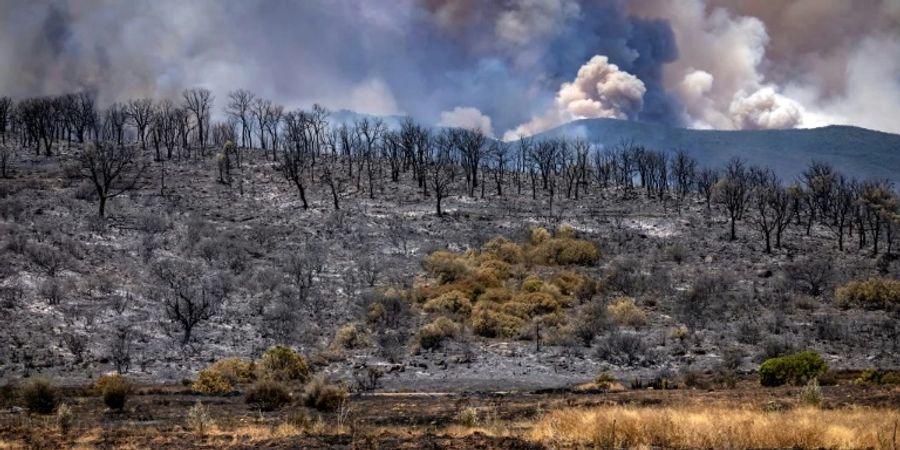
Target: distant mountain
<point>855,152</point>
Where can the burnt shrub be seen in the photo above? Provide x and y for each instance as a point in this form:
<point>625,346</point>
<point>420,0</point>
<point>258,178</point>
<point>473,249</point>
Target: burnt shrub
<point>774,347</point>
<point>114,389</point>
<point>623,348</point>
<point>810,275</point>
<point>39,397</point>
<point>267,395</point>
<point>323,396</point>
<point>796,369</point>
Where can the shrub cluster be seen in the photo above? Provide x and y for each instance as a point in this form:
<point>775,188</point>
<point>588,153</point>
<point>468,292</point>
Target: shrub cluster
<point>874,293</point>
<point>39,397</point>
<point>877,376</point>
<point>796,369</point>
<point>434,334</point>
<point>324,396</point>
<point>503,287</point>
<point>348,337</point>
<point>625,312</point>
<point>563,249</point>
<point>279,363</point>
<point>210,382</point>
<point>114,389</point>
<point>268,395</point>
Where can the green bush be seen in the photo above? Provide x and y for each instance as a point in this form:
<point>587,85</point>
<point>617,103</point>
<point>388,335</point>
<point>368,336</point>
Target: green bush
<point>874,293</point>
<point>267,395</point>
<point>40,397</point>
<point>323,396</point>
<point>877,376</point>
<point>280,363</point>
<point>114,389</point>
<point>796,369</point>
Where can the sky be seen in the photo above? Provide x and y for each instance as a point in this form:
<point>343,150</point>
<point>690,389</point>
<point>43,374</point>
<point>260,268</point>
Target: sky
<point>510,67</point>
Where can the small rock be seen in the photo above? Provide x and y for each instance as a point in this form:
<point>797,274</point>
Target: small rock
<point>764,273</point>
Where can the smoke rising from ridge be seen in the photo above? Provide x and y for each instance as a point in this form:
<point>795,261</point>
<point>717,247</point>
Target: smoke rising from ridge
<point>722,64</point>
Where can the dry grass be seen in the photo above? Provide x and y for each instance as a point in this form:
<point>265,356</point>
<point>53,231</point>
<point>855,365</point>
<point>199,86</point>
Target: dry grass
<point>719,427</point>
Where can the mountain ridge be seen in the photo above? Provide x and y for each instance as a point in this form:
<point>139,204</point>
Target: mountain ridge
<point>854,151</point>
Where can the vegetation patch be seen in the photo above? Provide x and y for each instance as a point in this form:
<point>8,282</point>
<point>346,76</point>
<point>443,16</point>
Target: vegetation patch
<point>324,396</point>
<point>796,369</point>
<point>280,363</point>
<point>503,287</point>
<point>114,389</point>
<point>268,395</point>
<point>874,293</point>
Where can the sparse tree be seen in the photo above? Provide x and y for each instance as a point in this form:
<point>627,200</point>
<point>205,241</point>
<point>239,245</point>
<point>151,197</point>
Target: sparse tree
<point>771,205</point>
<point>441,168</point>
<point>112,169</point>
<point>240,103</point>
<point>6,111</point>
<point>6,156</point>
<point>140,112</point>
<point>706,182</point>
<point>733,192</point>
<point>199,102</point>
<point>190,296</point>
<point>499,152</point>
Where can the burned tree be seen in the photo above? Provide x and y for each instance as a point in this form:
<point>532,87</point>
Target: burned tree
<point>299,145</point>
<point>771,205</point>
<point>199,102</point>
<point>733,192</point>
<point>6,110</point>
<point>140,112</point>
<point>190,296</point>
<point>239,107</point>
<point>499,152</point>
<point>112,169</point>
<point>706,181</point>
<point>441,168</point>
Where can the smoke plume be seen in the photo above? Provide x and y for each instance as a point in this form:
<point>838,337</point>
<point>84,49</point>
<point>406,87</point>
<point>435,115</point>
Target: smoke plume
<point>721,64</point>
<point>599,90</point>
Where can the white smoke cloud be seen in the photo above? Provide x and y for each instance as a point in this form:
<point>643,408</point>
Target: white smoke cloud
<point>468,118</point>
<point>719,77</point>
<point>600,90</point>
<point>871,95</point>
<point>372,97</point>
<point>764,109</point>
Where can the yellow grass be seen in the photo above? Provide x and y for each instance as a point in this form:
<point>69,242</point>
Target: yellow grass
<point>719,427</point>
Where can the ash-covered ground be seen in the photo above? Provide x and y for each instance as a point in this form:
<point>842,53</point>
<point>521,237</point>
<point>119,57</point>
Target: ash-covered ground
<point>83,296</point>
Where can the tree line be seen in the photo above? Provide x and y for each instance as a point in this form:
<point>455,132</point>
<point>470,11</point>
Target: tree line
<point>366,155</point>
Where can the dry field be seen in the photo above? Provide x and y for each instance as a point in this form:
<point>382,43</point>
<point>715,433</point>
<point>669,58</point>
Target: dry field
<point>159,417</point>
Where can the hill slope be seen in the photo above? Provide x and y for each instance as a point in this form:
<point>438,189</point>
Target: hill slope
<point>856,152</point>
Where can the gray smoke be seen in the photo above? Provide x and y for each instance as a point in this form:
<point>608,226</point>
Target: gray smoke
<point>703,63</point>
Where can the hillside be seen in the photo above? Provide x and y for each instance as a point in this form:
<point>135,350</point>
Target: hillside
<point>856,152</point>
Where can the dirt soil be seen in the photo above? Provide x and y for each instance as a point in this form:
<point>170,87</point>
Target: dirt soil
<point>156,417</point>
